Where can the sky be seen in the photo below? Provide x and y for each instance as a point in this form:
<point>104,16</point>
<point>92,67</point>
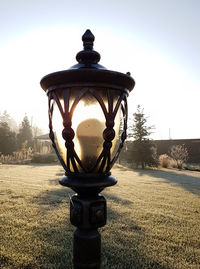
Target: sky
<point>157,41</point>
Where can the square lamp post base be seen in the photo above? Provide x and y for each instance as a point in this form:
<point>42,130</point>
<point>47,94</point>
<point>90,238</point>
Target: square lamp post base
<point>88,213</point>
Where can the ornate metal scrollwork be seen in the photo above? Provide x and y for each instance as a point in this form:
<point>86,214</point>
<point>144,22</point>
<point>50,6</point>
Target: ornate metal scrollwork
<point>104,162</point>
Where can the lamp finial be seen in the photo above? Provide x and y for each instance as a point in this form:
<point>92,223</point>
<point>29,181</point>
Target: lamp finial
<point>88,39</point>
<point>88,56</point>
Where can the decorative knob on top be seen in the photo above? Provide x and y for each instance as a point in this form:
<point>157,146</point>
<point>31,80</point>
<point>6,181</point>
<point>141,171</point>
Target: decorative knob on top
<point>88,39</point>
<point>88,56</point>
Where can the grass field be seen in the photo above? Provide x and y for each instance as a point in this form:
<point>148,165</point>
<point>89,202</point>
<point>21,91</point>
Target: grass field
<point>153,219</point>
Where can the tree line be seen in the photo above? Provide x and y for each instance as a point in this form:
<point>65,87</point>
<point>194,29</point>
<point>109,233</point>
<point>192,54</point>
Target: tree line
<point>14,139</point>
<point>142,152</point>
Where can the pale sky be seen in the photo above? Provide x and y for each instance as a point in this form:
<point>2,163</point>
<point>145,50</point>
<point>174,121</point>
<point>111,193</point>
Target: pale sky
<point>157,41</point>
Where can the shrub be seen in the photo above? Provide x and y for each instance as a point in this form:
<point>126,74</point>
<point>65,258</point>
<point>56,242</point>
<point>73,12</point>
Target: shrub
<point>44,158</point>
<point>172,163</point>
<point>179,154</point>
<point>164,160</point>
<point>17,157</point>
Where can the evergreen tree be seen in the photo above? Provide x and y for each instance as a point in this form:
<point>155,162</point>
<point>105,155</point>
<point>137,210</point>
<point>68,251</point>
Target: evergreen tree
<point>143,152</point>
<point>7,139</point>
<point>25,134</point>
<point>5,117</point>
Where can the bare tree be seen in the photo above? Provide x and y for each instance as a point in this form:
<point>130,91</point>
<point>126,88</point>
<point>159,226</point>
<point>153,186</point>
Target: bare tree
<point>179,154</point>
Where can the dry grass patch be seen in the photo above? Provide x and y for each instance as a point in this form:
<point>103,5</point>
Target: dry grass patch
<point>153,219</point>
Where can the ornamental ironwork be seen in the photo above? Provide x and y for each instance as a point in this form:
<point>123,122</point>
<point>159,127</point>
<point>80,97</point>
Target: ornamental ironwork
<point>104,161</point>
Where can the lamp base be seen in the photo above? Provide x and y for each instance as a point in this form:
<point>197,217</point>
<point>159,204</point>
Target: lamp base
<point>88,212</point>
<point>88,185</point>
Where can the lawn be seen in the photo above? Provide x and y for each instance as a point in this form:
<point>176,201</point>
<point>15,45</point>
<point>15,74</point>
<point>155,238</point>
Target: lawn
<point>153,219</point>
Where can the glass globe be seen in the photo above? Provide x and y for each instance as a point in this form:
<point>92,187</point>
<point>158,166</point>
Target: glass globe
<point>89,122</point>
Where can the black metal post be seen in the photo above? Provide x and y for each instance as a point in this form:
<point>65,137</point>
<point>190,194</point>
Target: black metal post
<point>88,213</point>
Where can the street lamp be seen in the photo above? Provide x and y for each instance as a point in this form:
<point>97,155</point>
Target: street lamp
<point>86,103</point>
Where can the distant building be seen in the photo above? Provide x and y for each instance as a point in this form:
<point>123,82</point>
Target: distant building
<point>44,137</point>
<point>43,144</point>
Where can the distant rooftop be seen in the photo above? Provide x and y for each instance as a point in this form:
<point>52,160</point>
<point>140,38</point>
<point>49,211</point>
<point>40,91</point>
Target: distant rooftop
<point>43,137</point>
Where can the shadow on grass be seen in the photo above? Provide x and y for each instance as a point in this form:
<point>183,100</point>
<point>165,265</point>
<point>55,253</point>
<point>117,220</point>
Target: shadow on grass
<point>56,231</point>
<point>187,182</point>
<point>123,168</point>
<point>121,238</point>
<point>116,199</point>
<point>51,199</point>
<point>57,239</point>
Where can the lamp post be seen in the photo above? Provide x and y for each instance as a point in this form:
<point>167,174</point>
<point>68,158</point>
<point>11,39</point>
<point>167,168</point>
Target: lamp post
<point>85,106</point>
